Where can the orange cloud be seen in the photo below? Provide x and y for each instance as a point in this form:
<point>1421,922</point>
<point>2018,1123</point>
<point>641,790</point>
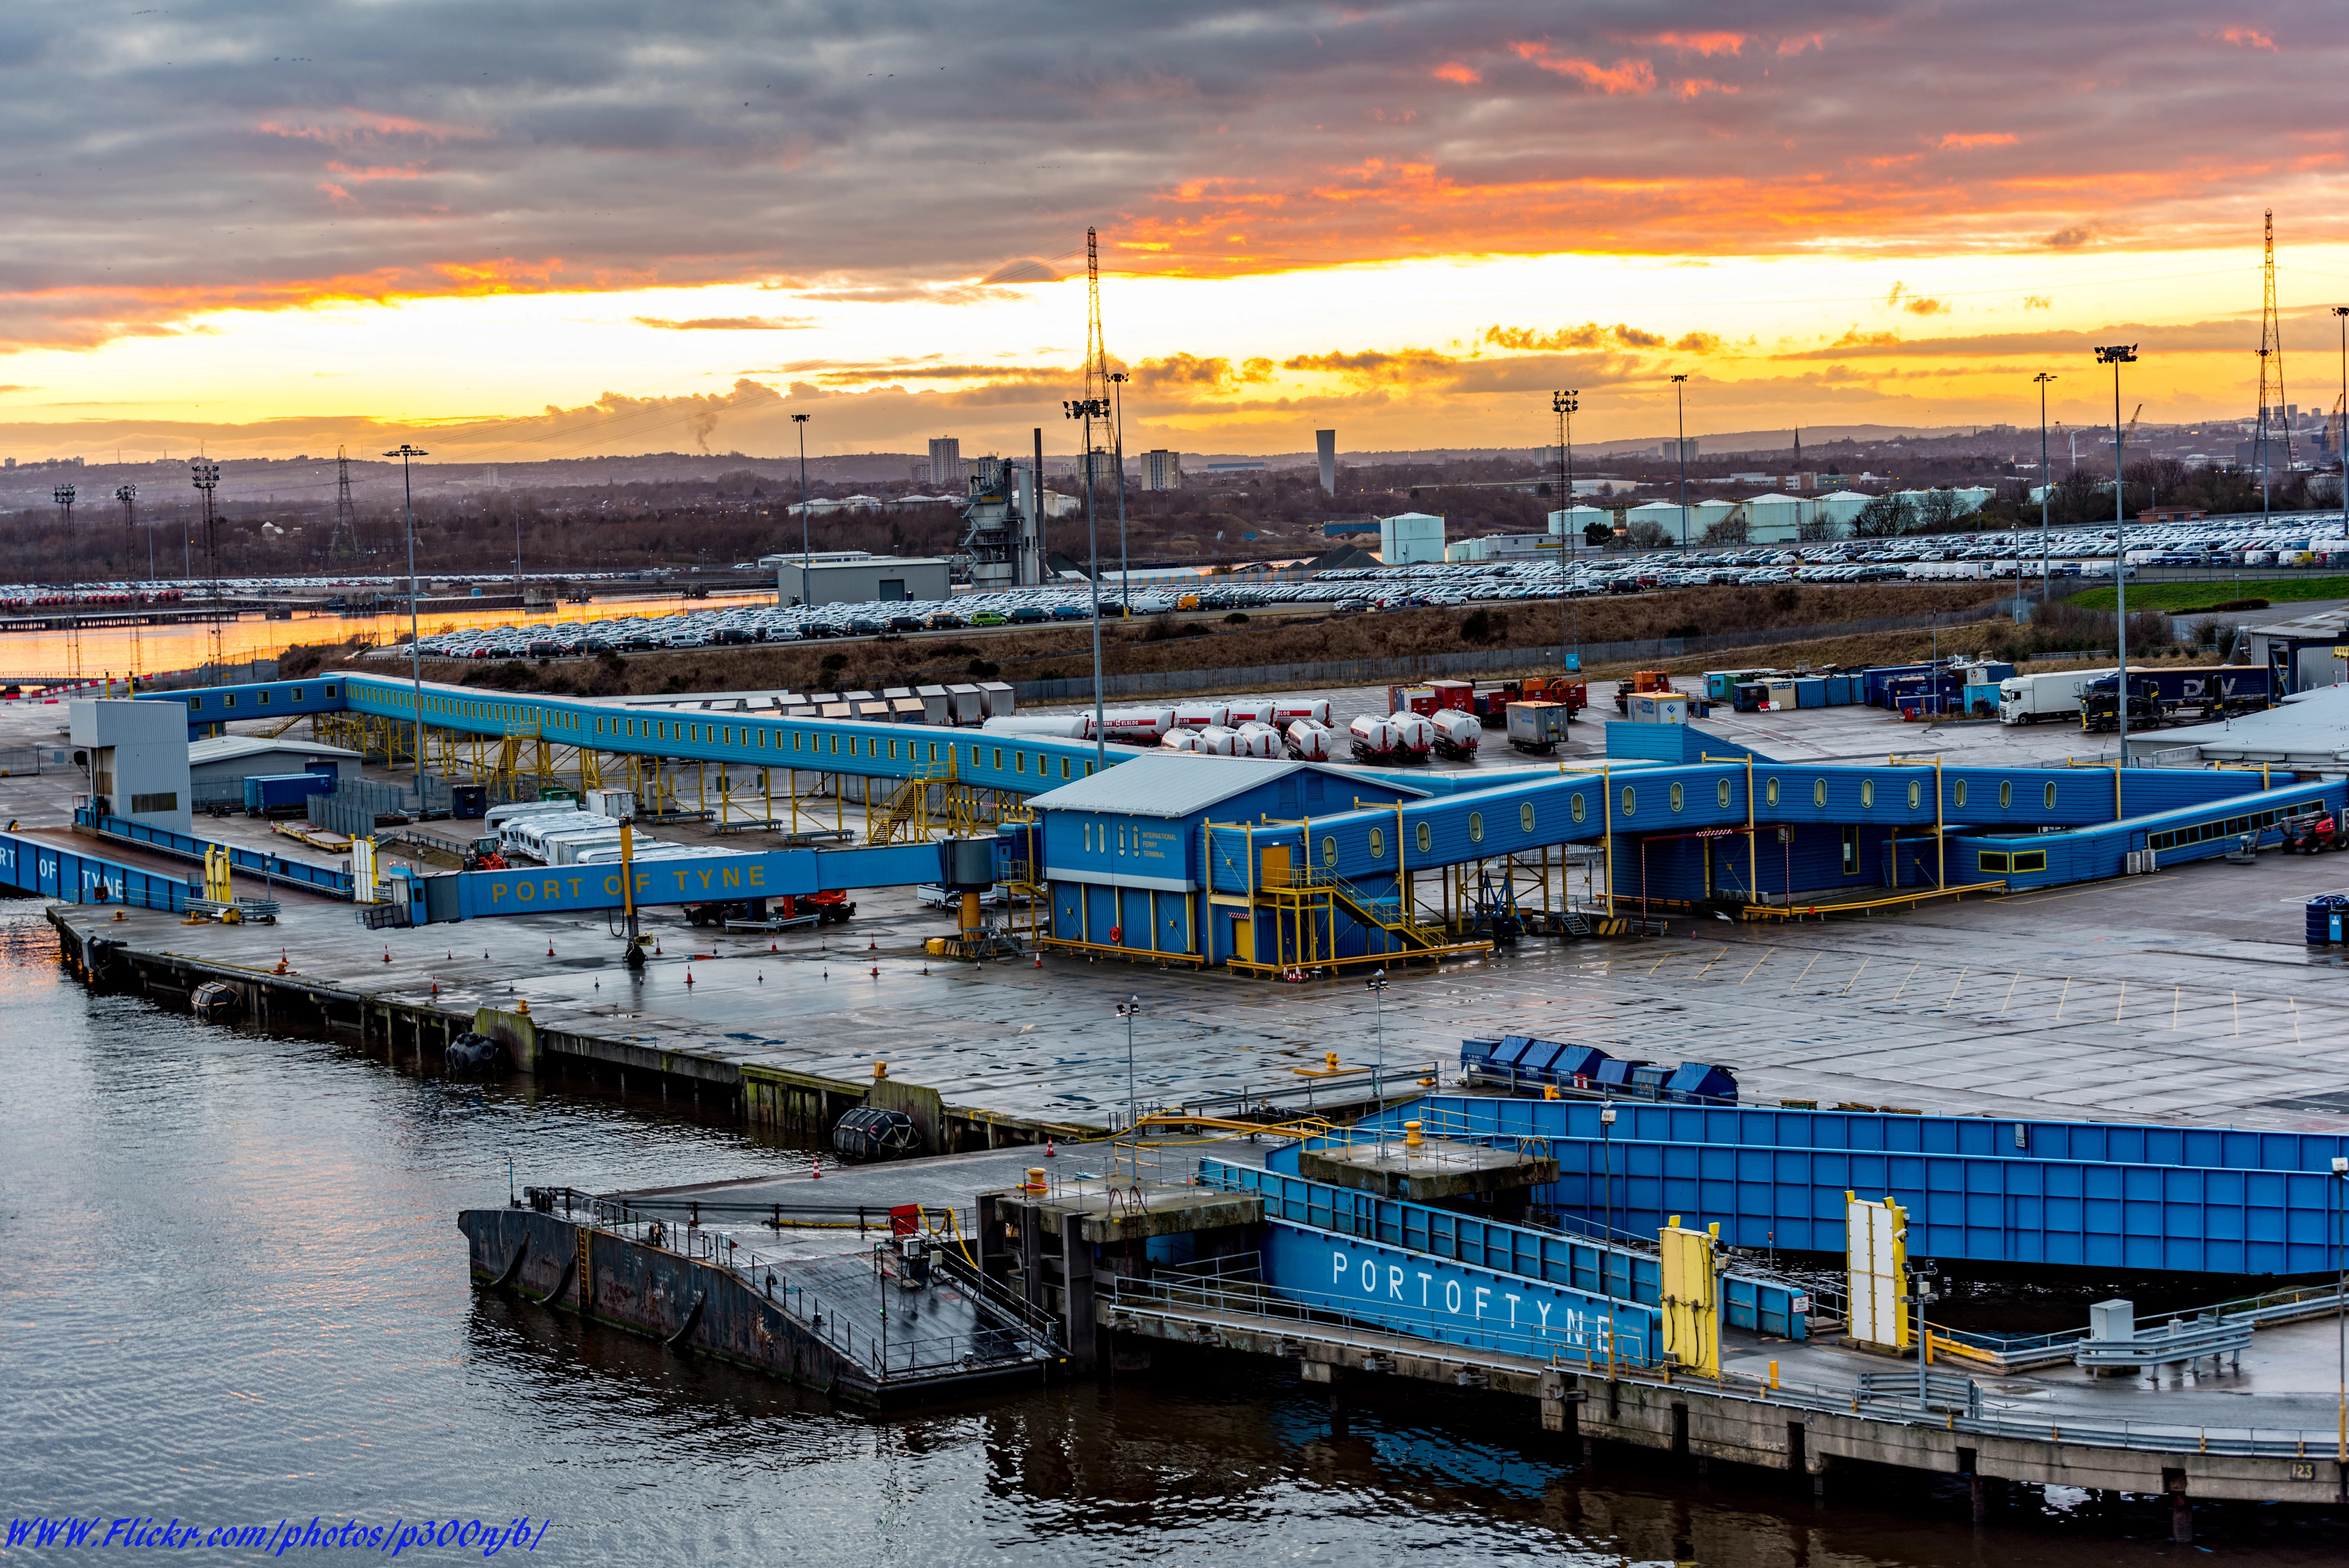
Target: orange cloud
<point>1800,41</point>
<point>1698,42</point>
<point>1454,71</point>
<point>1624,76</point>
<point>2248,39</point>
<point>1961,140</point>
<point>1697,86</point>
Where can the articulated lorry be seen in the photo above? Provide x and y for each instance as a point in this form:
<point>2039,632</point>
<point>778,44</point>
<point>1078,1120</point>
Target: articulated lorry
<point>2030,699</point>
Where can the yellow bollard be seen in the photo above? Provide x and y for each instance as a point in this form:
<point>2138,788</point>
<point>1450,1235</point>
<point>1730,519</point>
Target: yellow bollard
<point>1774,1375</point>
<point>1411,1138</point>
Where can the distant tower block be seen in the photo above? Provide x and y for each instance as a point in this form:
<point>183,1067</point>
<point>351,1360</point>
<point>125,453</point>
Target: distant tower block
<point>1327,441</point>
<point>946,469</point>
<point>1161,469</point>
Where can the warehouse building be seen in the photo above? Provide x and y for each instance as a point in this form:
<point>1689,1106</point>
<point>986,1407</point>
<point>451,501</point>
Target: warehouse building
<point>853,577</point>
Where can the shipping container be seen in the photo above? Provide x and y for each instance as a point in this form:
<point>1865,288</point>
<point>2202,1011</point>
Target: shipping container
<point>268,794</point>
<point>965,705</point>
<point>936,706</point>
<point>1811,691</point>
<point>1460,695</point>
<point>1659,708</point>
<point>1419,699</point>
<point>1000,700</point>
<point>1537,726</point>
<point>620,805</point>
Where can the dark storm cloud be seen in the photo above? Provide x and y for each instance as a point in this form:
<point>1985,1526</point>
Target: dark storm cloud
<point>262,152</point>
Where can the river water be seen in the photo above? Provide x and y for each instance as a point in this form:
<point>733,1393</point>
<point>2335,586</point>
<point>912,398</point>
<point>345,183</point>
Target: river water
<point>232,1291</point>
<point>185,645</point>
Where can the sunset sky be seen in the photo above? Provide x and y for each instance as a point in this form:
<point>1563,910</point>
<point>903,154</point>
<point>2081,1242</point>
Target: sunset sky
<point>533,230</point>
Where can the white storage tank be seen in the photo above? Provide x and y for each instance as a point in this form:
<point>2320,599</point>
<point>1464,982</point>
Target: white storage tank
<point>1312,742</point>
<point>1254,739</point>
<point>1137,725</point>
<point>1181,740</point>
<point>1288,710</point>
<point>1219,741</point>
<point>1200,715</point>
<point>1457,734</point>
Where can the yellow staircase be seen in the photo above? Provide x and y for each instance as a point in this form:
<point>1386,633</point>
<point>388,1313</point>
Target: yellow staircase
<point>1305,903</point>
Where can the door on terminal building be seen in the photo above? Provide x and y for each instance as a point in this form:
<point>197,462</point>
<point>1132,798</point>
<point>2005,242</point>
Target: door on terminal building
<point>1242,938</point>
<point>893,588</point>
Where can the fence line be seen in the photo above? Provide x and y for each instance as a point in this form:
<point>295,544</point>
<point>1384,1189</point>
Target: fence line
<point>1372,671</point>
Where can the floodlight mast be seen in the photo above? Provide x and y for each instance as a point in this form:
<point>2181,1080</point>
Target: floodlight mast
<point>407,455</point>
<point>2117,356</point>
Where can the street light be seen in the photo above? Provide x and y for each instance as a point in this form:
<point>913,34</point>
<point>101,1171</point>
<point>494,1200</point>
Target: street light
<point>1607,1171</point>
<point>2117,356</point>
<point>1680,409</point>
<point>1563,405</point>
<point>129,496</point>
<point>407,454</point>
<point>64,496</point>
<point>2340,1297</point>
<point>1920,1294</point>
<point>1377,986</point>
<point>1126,1010</point>
<point>799,422</point>
<point>204,474</point>
<point>2046,491</point>
<point>1088,409</point>
<point>1124,582</point>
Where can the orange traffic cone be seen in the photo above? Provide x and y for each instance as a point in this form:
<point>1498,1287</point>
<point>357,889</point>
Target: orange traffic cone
<point>815,1172</point>
<point>387,955</point>
<point>1039,958</point>
<point>1051,1152</point>
<point>688,976</point>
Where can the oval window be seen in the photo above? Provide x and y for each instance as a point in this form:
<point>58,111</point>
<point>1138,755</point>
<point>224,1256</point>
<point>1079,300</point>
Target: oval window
<point>1916,794</point>
<point>2050,793</point>
<point>1476,828</point>
<point>1575,803</point>
<point>1770,791</point>
<point>1330,850</point>
<point>1525,816</point>
<point>1818,791</point>
<point>1721,794</point>
<point>1680,797</point>
<point>2006,792</point>
<point>1867,791</point>
<point>1426,839</point>
<point>1630,801</point>
<point>1958,792</point>
<point>1377,845</point>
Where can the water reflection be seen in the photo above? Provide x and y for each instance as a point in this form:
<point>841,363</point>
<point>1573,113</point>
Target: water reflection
<point>235,1291</point>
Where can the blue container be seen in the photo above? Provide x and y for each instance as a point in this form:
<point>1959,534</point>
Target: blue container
<point>284,792</point>
<point>1811,692</point>
<point>1838,691</point>
<point>1694,1082</point>
<point>2326,915</point>
<point>1616,1073</point>
<point>1647,1082</point>
<point>1578,1064</point>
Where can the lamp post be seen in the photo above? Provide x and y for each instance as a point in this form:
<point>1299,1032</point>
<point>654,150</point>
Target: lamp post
<point>407,455</point>
<point>1124,582</point>
<point>799,422</point>
<point>204,474</point>
<point>2117,356</point>
<point>129,496</point>
<point>2340,1297</point>
<point>1681,411</point>
<point>1607,1174</point>
<point>64,496</point>
<point>2046,491</point>
<point>1088,409</point>
<point>1126,1010</point>
<point>2341,432</point>
<point>1564,403</point>
<point>1920,1294</point>
<point>1377,986</point>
